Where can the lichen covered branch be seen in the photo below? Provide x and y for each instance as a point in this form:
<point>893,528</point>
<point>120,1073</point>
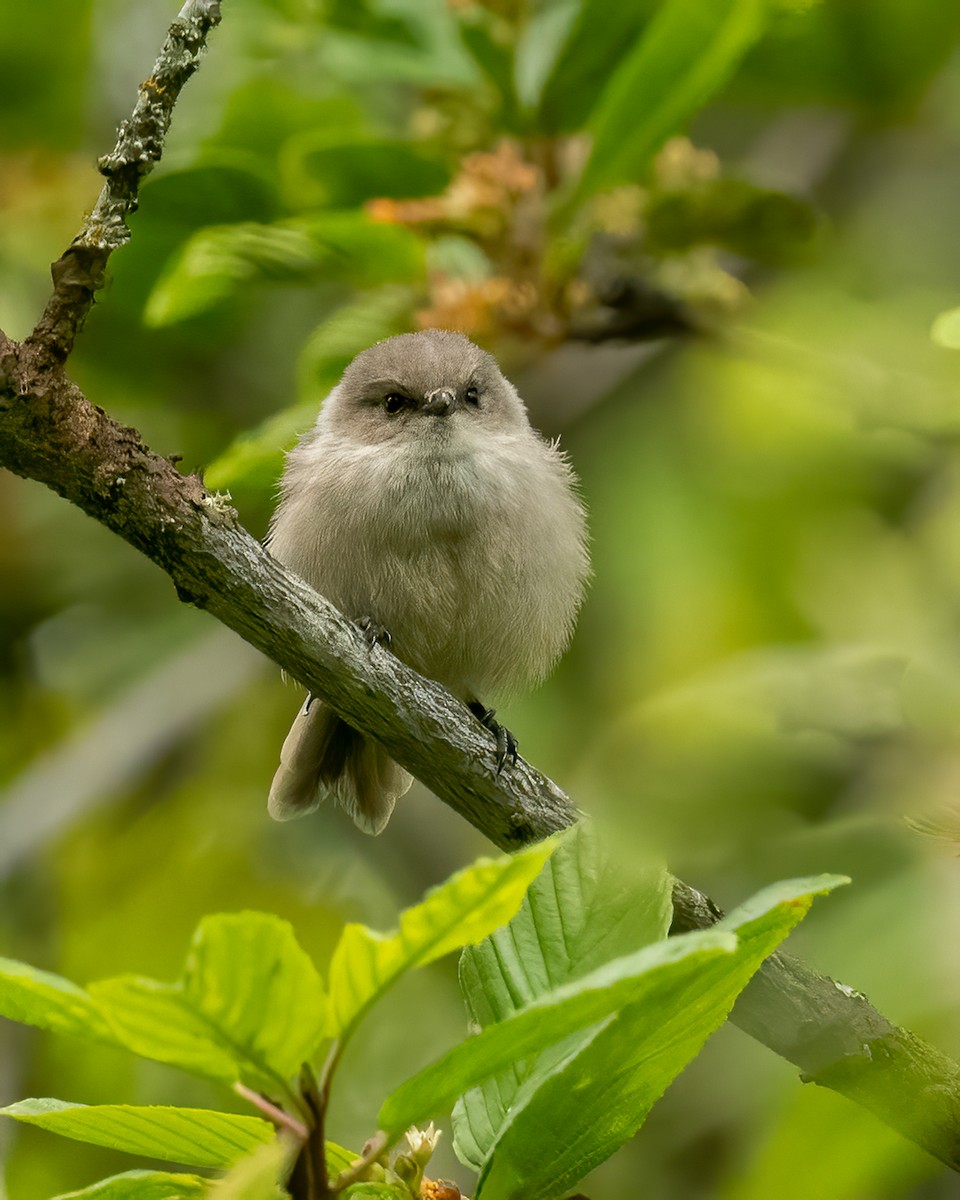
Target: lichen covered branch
<point>79,272</point>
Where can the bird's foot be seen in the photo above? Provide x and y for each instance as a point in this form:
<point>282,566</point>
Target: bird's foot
<point>375,633</point>
<point>506,742</point>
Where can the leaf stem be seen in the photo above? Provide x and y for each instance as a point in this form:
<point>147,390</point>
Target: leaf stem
<point>276,1114</point>
<point>334,1054</point>
<point>315,1151</point>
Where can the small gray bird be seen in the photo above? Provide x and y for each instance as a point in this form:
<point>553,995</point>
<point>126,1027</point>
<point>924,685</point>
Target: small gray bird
<point>426,508</point>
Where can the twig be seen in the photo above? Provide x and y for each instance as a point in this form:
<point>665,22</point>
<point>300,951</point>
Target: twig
<point>79,272</point>
<point>314,1152</point>
<point>50,432</point>
<point>280,1118</point>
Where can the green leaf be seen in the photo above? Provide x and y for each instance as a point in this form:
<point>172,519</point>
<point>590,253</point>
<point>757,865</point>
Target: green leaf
<point>687,52</point>
<point>218,262</point>
<point>227,185</point>
<point>250,1005</point>
<point>465,909</point>
<point>263,115</point>
<point>595,43</point>
<point>247,974</point>
<point>488,38</point>
<point>198,1136</point>
<point>371,1191</point>
<point>50,1002</point>
<point>143,1185</point>
<point>155,1021</point>
<point>338,1159</point>
<point>337,340</point>
<point>215,262</point>
<point>562,1125</point>
<point>260,1175</point>
<point>255,459</point>
<point>649,977</point>
<point>334,172</point>
<point>581,911</point>
<point>767,226</point>
<point>544,34</point>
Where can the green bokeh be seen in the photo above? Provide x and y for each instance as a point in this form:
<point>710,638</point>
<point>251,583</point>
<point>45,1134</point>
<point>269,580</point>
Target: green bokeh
<point>766,675</point>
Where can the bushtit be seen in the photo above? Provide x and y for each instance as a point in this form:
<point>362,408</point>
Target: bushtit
<point>426,508</point>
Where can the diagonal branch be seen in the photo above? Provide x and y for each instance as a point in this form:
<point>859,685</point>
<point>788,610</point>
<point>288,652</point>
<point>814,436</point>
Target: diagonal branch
<point>50,432</point>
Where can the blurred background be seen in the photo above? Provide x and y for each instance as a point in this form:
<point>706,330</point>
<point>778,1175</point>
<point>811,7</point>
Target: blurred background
<point>717,248</point>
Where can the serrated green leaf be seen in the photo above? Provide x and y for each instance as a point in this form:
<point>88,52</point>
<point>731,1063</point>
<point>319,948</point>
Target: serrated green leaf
<point>564,1124</point>
<point>49,1001</point>
<point>645,977</point>
<point>250,1006</point>
<point>216,261</point>
<point>788,901</point>
<point>338,1159</point>
<point>686,53</point>
<point>198,1136</point>
<point>465,909</point>
<point>143,1185</point>
<point>247,974</point>
<point>364,253</point>
<point>580,912</point>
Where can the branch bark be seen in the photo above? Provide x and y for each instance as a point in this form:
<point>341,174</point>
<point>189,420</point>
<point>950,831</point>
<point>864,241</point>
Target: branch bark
<point>50,432</point>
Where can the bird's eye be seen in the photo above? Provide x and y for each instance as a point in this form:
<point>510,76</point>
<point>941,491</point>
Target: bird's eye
<point>472,396</point>
<point>394,402</point>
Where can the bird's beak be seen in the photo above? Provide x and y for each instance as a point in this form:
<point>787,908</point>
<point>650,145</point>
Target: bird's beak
<point>440,403</point>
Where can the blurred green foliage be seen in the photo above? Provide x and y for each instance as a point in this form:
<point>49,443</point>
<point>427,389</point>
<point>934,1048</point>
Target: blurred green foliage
<point>765,678</point>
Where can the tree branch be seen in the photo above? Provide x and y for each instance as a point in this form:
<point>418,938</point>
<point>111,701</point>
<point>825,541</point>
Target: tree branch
<point>50,432</point>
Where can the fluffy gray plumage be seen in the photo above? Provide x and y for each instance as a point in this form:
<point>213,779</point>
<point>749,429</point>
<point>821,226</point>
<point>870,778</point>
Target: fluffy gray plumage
<point>424,501</point>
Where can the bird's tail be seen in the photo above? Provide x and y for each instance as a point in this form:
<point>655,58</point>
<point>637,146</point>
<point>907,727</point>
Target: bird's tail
<point>324,756</point>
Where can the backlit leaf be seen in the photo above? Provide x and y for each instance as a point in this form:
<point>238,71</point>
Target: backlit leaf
<point>687,51</point>
<point>198,1136</point>
<point>465,909</point>
<point>143,1185</point>
<point>51,1002</point>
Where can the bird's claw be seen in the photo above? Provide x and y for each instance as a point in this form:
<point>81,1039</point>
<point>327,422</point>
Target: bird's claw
<point>506,742</point>
<point>374,633</point>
